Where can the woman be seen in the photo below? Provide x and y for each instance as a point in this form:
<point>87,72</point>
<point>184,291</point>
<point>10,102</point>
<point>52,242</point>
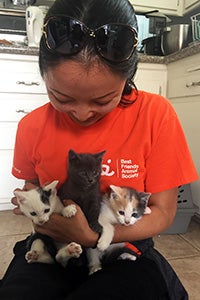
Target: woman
<point>88,59</point>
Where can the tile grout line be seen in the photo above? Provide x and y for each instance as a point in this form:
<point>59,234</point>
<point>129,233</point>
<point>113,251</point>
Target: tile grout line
<point>184,257</point>
<point>16,234</point>
<point>191,244</point>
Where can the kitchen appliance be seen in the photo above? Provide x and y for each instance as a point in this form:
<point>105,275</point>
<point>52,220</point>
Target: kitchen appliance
<point>174,38</point>
<point>152,44</point>
<point>34,22</point>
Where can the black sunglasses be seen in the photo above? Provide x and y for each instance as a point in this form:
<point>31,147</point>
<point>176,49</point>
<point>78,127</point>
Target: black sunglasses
<point>114,42</point>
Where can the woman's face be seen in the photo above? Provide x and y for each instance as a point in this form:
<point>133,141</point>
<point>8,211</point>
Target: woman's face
<point>84,94</point>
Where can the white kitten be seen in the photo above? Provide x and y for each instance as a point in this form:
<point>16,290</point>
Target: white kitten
<point>38,205</point>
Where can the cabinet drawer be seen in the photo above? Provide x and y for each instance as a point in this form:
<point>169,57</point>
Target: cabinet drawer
<point>23,63</point>
<point>184,77</point>
<point>7,135</point>
<point>8,182</point>
<point>184,86</point>
<point>22,83</point>
<point>15,106</point>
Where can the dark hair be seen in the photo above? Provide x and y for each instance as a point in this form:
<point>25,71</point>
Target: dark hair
<point>93,13</point>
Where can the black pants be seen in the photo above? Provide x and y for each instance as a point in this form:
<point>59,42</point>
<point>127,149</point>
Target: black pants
<point>123,279</point>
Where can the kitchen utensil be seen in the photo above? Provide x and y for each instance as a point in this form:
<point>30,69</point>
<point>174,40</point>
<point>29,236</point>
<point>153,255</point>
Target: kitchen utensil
<point>34,23</point>
<point>174,38</point>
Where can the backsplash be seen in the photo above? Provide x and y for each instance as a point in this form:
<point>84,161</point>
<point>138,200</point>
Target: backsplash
<point>16,23</point>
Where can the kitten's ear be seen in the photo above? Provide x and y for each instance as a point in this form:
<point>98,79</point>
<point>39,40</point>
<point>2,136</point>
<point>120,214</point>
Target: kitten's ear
<point>20,195</point>
<point>100,154</point>
<point>50,186</point>
<point>72,154</point>
<point>144,196</point>
<point>115,191</point>
<point>147,210</point>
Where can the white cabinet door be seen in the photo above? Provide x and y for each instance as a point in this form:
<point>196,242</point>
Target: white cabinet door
<point>8,182</point>
<point>165,6</point>
<point>190,4</point>
<point>22,90</point>
<point>151,78</point>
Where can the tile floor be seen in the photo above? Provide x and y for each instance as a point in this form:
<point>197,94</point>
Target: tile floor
<point>181,250</point>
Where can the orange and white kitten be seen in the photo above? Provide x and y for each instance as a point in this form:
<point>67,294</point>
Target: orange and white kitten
<point>123,205</point>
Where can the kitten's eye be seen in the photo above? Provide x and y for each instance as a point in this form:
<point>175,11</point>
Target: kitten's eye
<point>134,215</point>
<point>33,214</point>
<point>47,210</point>
<point>114,196</point>
<point>121,212</point>
<point>95,173</point>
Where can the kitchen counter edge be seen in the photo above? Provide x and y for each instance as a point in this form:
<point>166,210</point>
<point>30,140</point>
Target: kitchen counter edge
<point>142,58</point>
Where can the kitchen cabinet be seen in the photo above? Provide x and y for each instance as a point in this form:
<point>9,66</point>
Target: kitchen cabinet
<point>183,90</point>
<point>21,90</point>
<point>151,78</point>
<point>191,4</point>
<point>168,7</point>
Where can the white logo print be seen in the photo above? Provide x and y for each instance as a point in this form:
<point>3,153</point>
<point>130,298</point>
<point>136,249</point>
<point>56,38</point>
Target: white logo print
<point>125,168</point>
<point>106,169</point>
<point>128,169</point>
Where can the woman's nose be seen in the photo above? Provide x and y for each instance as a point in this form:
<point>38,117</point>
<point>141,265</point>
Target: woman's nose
<point>83,114</point>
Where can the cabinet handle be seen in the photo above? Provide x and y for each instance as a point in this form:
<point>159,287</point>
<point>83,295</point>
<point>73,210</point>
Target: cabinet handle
<point>28,83</point>
<point>194,83</point>
<point>22,111</point>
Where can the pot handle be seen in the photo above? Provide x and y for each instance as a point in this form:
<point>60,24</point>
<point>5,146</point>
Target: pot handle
<point>166,29</point>
<point>161,44</point>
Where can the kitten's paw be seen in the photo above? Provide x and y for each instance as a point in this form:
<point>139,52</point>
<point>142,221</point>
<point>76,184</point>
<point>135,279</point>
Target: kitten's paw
<point>74,249</point>
<point>65,253</point>
<point>69,211</point>
<point>127,256</point>
<point>103,244</point>
<point>34,256</point>
<point>94,269</point>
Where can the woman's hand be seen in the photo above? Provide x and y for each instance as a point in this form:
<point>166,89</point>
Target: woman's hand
<point>73,229</point>
<point>27,186</point>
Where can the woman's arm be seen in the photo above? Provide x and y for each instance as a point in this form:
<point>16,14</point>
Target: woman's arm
<point>163,208</point>
<point>73,229</point>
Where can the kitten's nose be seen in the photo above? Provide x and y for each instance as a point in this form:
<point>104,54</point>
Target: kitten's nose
<point>41,222</point>
<point>90,180</point>
<point>127,222</point>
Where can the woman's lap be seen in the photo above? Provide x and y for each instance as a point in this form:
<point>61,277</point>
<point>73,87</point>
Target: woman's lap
<point>120,280</point>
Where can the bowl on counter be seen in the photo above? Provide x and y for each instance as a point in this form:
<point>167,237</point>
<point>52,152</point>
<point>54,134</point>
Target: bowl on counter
<point>174,38</point>
<point>13,39</point>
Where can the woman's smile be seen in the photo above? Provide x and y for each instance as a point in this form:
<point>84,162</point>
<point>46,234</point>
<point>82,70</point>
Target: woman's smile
<point>85,95</point>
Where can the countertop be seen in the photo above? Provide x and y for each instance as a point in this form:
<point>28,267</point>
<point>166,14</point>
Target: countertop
<point>188,51</point>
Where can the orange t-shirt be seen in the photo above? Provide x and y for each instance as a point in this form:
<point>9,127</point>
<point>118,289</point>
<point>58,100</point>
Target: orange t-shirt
<point>145,145</point>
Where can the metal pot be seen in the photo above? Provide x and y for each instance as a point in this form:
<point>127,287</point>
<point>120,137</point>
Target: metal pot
<point>174,38</point>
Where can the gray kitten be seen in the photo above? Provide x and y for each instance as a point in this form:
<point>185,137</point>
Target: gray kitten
<point>83,185</point>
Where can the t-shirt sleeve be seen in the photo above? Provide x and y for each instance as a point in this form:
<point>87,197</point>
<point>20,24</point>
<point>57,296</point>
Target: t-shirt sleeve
<point>170,163</point>
<point>23,166</point>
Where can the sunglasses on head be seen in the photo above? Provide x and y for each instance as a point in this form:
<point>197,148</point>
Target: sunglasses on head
<point>114,42</point>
